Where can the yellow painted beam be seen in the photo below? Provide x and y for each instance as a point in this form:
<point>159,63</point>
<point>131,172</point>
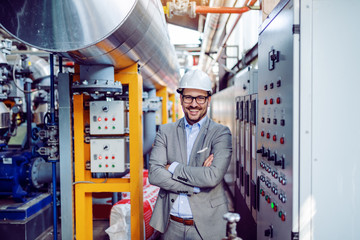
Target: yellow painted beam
<point>172,99</point>
<point>103,187</point>
<point>131,77</point>
<point>162,92</point>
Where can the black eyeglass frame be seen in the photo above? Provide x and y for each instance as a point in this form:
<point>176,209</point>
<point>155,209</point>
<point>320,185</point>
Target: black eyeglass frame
<point>196,99</point>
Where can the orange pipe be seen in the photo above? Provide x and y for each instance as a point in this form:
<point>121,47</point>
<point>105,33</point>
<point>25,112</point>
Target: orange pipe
<point>206,9</point>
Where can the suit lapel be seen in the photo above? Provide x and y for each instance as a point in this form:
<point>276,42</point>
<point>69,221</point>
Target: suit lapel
<point>198,144</point>
<point>182,140</point>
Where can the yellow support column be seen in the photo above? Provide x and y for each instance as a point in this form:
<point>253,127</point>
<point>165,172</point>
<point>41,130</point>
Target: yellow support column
<point>172,99</point>
<point>162,92</point>
<point>83,201</point>
<point>131,77</point>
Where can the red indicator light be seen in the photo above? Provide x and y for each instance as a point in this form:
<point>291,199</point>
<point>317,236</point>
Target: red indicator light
<point>274,138</point>
<point>106,157</point>
<point>113,157</point>
<point>262,133</point>
<point>268,135</point>
<point>269,200</point>
<point>100,157</point>
<point>265,102</point>
<point>263,193</point>
<point>275,208</point>
<point>113,119</point>
<point>99,119</point>
<point>106,119</point>
<point>283,217</point>
<point>278,100</point>
<point>282,140</point>
<point>106,127</point>
<point>271,101</point>
<point>106,165</point>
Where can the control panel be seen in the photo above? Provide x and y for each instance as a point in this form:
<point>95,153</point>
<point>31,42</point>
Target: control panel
<point>275,128</point>
<point>107,155</point>
<point>246,133</point>
<point>107,117</point>
<point>107,140</point>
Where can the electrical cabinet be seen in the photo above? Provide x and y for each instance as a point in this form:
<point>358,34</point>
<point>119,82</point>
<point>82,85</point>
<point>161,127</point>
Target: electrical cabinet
<point>307,123</point>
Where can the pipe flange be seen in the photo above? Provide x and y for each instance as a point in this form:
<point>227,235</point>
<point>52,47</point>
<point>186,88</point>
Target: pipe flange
<point>35,172</point>
<point>105,87</point>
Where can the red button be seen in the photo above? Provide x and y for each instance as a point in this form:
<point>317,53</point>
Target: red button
<point>275,208</point>
<point>106,165</point>
<point>106,119</point>
<point>269,200</point>
<point>262,133</point>
<point>106,157</point>
<point>265,102</point>
<point>278,100</point>
<point>100,157</point>
<point>274,138</point>
<point>268,135</point>
<point>283,217</point>
<point>271,101</point>
<point>106,127</point>
<point>282,140</point>
<point>113,119</point>
<point>99,119</point>
<point>113,157</point>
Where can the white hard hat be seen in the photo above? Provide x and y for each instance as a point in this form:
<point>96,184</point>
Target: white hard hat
<point>196,79</point>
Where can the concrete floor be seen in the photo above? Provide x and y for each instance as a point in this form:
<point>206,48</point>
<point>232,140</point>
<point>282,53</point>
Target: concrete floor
<point>98,231</point>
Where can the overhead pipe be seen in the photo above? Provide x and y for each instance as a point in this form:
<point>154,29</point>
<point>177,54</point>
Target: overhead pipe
<point>226,38</point>
<point>92,32</point>
<point>214,28</point>
<point>206,9</point>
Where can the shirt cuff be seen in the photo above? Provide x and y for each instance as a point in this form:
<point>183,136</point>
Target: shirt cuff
<point>172,167</point>
<point>196,190</point>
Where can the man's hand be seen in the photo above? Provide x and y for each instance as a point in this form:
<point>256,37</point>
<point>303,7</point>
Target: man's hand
<point>167,167</point>
<point>208,161</point>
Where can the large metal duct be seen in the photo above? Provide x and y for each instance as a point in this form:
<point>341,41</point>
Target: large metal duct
<point>106,32</point>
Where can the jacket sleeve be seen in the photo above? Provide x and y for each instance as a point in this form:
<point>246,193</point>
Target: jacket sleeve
<point>158,174</point>
<point>209,176</point>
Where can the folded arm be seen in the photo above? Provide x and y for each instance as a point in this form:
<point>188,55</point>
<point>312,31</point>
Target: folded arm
<point>208,176</point>
<point>158,173</point>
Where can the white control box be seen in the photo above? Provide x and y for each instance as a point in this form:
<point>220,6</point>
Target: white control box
<point>107,155</point>
<point>107,117</point>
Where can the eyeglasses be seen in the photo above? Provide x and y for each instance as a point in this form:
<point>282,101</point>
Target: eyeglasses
<point>199,99</point>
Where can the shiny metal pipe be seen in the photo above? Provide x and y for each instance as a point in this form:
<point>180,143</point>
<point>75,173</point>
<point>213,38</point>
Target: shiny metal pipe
<point>93,32</point>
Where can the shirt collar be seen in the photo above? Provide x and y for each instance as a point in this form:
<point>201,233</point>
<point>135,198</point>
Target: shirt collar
<point>199,123</point>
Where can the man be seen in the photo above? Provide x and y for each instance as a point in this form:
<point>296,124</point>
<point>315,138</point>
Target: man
<point>188,162</point>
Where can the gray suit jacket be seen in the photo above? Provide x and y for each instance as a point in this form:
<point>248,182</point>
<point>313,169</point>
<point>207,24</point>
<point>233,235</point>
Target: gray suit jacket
<point>208,206</point>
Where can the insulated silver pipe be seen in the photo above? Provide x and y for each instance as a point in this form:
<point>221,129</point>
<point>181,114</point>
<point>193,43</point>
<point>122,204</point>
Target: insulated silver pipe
<point>93,32</point>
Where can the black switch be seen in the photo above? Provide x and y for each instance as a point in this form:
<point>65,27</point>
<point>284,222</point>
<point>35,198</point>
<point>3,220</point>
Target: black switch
<point>275,121</point>
<point>278,83</point>
<point>264,153</point>
<point>269,232</point>
<point>282,122</point>
<point>268,120</point>
<point>262,119</point>
<point>280,162</point>
<point>271,85</point>
<point>265,87</point>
